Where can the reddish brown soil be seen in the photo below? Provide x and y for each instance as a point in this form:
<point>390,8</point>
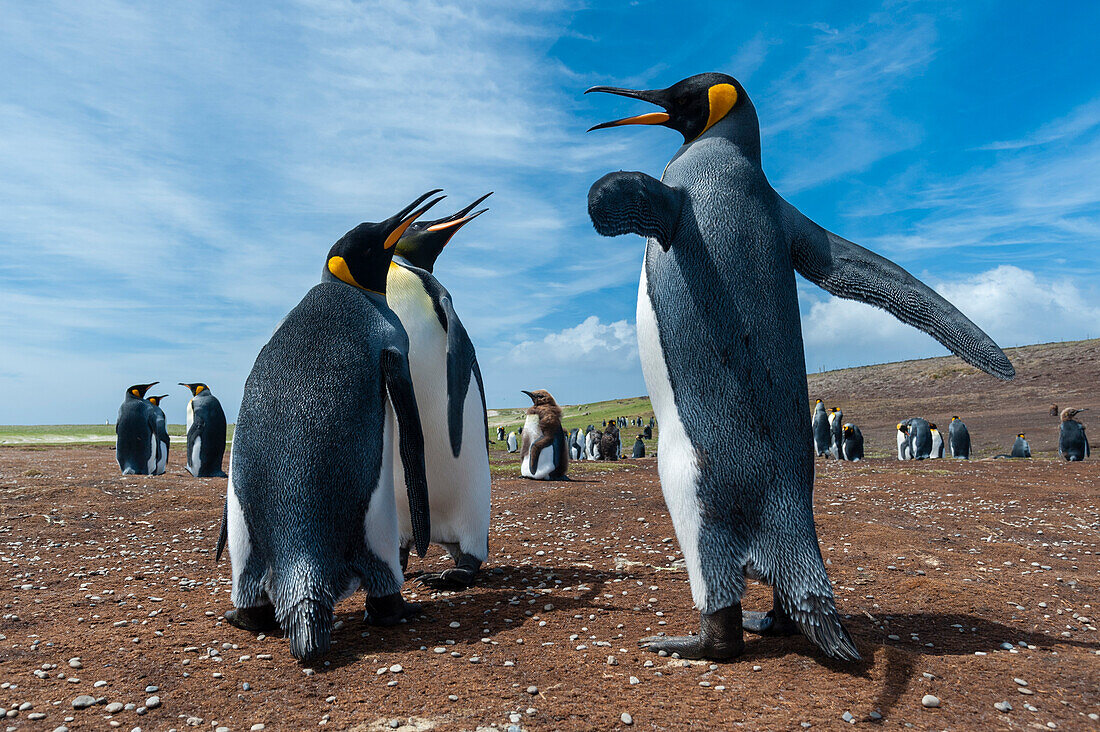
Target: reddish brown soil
<point>951,558</point>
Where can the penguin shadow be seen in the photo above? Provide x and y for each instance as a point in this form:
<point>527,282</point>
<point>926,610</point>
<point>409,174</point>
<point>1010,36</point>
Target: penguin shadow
<point>514,587</point>
<point>901,658</point>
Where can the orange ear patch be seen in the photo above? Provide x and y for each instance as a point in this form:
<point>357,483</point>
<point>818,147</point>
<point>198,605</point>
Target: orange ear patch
<point>722,97</point>
<point>339,268</point>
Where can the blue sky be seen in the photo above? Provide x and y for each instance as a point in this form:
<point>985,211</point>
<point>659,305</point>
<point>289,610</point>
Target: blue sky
<point>172,174</point>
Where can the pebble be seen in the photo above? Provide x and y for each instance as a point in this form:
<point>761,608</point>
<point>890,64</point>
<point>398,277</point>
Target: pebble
<point>532,690</point>
<point>930,701</point>
<point>847,717</point>
<point>83,701</point>
<point>152,689</point>
<point>455,624</point>
<point>626,718</point>
<point>114,707</point>
<point>75,663</point>
<point>1020,682</point>
<point>1003,706</point>
<point>258,727</point>
<point>152,702</point>
<point>396,668</point>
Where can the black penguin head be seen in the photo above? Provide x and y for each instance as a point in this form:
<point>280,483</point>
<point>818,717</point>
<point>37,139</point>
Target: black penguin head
<point>692,106</point>
<point>196,388</point>
<point>540,398</point>
<point>362,257</point>
<point>423,241</point>
<point>155,400</point>
<point>932,426</point>
<point>137,391</point>
<point>902,427</point>
<point>1021,436</point>
<point>955,418</point>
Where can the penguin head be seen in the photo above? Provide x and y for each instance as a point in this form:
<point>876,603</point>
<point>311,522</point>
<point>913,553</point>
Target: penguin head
<point>1069,413</point>
<point>196,388</point>
<point>423,241</point>
<point>1021,436</point>
<point>955,418</point>
<point>541,397</point>
<point>693,106</point>
<point>362,257</point>
<point>155,400</point>
<point>137,391</point>
<point>932,426</point>
<point>902,427</point>
<point>847,430</point>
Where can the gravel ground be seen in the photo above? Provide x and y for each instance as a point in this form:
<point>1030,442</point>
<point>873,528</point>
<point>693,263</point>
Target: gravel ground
<point>972,591</point>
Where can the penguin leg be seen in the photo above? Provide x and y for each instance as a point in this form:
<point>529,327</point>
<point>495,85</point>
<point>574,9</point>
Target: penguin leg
<point>404,558</point>
<point>720,637</point>
<point>389,609</point>
<point>458,577</point>
<point>775,622</point>
<point>259,619</point>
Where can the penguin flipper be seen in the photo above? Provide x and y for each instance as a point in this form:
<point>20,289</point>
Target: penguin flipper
<point>223,537</point>
<point>635,203</point>
<point>395,367</point>
<point>848,270</point>
<point>461,362</point>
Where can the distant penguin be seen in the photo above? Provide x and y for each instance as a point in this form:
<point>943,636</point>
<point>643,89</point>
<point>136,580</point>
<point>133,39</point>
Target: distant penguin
<point>904,453</point>
<point>639,448</point>
<point>610,444</point>
<point>836,431</point>
<point>1073,444</point>
<point>852,443</point>
<point>920,438</point>
<point>163,441</point>
<point>451,400</point>
<point>822,434</point>
<point>592,444</point>
<point>937,442</point>
<point>513,442</point>
<point>136,433</point>
<point>205,433</point>
<point>543,456</point>
<point>310,504</point>
<point>959,438</point>
<point>500,434</point>
<point>1020,448</point>
<point>1053,410</point>
<point>719,333</point>
<point>647,432</point>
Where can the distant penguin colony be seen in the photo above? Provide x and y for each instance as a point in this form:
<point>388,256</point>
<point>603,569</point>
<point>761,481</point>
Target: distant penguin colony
<point>311,515</point>
<point>543,455</point>
<point>136,444</point>
<point>1073,445</point>
<point>718,278</point>
<point>451,403</point>
<point>206,430</point>
<point>959,438</point>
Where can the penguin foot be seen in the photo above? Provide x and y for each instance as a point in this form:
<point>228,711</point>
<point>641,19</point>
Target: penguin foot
<point>455,578</point>
<point>769,624</point>
<point>390,610</point>
<point>253,619</point>
<point>720,637</point>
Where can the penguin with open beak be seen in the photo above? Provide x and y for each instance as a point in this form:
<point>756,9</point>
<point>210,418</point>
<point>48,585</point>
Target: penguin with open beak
<point>719,333</point>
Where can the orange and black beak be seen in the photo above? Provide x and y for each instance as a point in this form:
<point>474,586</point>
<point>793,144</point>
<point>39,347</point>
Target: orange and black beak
<point>422,242</point>
<point>653,96</point>
<point>403,218</point>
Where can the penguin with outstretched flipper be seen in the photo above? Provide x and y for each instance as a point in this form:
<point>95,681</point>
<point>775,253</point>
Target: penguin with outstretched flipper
<point>310,509</point>
<point>719,333</point>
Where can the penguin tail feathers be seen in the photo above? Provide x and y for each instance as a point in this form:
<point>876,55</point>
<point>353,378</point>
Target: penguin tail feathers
<point>819,621</point>
<point>308,625</point>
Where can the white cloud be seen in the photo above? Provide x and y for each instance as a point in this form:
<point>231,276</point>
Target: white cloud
<point>591,343</point>
<point>1013,305</point>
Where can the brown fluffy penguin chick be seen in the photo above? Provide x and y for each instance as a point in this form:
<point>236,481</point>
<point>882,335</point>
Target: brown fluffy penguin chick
<point>542,430</point>
<point>1054,411</point>
<point>1069,413</point>
<point>610,443</point>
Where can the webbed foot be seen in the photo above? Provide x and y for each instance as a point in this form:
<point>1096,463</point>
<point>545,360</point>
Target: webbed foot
<point>720,637</point>
<point>455,578</point>
<point>253,619</point>
<point>389,609</point>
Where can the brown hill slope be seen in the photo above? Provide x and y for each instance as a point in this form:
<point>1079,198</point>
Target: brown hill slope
<point>877,397</point>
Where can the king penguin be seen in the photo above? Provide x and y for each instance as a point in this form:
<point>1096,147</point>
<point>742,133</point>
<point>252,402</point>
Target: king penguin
<point>920,438</point>
<point>718,332</point>
<point>310,506</point>
<point>820,426</point>
<point>639,448</point>
<point>592,443</point>
<point>543,456</point>
<point>513,442</point>
<point>1020,448</point>
<point>205,433</point>
<point>937,442</point>
<point>836,432</point>
<point>500,433</point>
<point>163,441</point>
<point>1073,444</point>
<point>959,438</point>
<point>851,448</point>
<point>451,396</point>
<point>136,433</point>
<point>903,442</point>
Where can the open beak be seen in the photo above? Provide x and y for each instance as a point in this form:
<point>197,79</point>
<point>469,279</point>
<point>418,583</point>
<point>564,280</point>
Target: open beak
<point>651,96</point>
<point>405,218</point>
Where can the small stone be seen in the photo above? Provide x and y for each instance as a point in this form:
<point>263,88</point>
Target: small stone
<point>455,624</point>
<point>847,717</point>
<point>246,686</point>
<point>1007,646</point>
<point>757,668</point>
<point>634,680</point>
<point>152,689</point>
<point>875,716</point>
<point>114,707</point>
<point>1020,682</point>
<point>532,690</point>
<point>626,718</point>
<point>930,701</point>
<point>258,727</point>
<point>1003,706</point>
<point>83,701</point>
<point>1024,691</point>
<point>611,661</point>
<point>25,706</point>
<point>75,663</point>
<point>152,702</point>
<point>99,684</point>
<point>396,668</point>
<point>35,716</point>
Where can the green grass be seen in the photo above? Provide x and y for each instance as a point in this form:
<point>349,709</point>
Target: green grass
<point>75,434</point>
